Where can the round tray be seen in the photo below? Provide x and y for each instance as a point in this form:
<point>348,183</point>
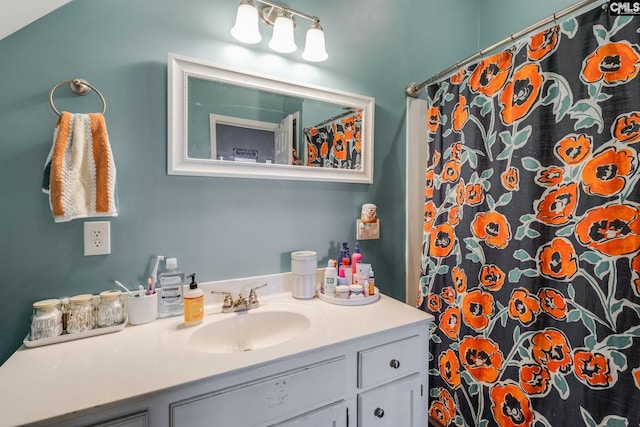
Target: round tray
<point>342,301</point>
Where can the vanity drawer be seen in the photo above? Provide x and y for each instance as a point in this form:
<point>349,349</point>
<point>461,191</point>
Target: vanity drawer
<point>268,399</point>
<point>390,361</point>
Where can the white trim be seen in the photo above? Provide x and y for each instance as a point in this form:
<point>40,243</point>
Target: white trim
<point>180,68</point>
<point>416,163</point>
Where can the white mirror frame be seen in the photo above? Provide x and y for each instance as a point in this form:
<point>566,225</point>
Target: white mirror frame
<point>180,68</point>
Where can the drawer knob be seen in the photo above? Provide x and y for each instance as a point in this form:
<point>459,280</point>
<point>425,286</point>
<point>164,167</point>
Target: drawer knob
<point>379,412</point>
<point>395,364</point>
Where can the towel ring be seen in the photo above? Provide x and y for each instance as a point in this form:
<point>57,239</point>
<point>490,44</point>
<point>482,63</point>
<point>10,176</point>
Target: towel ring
<point>78,86</point>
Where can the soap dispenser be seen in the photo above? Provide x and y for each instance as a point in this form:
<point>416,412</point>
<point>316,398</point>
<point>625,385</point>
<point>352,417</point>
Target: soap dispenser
<point>193,303</point>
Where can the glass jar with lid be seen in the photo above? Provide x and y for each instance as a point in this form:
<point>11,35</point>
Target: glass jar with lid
<point>81,315</point>
<point>46,321</point>
<point>110,311</point>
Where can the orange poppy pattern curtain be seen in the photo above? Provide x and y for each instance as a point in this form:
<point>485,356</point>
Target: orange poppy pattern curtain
<point>336,144</point>
<point>531,248</point>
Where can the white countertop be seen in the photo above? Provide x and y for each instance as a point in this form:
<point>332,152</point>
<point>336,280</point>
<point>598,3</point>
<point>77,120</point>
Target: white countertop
<point>49,381</point>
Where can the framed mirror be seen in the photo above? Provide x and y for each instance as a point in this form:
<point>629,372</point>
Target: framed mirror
<point>228,122</point>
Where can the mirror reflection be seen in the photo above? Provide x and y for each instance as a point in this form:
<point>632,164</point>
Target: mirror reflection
<point>226,122</point>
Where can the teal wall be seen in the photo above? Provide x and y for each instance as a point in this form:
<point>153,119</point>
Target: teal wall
<point>218,227</point>
<point>501,18</point>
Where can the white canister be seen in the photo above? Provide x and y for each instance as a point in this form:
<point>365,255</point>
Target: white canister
<point>81,315</point>
<point>47,319</point>
<point>110,309</point>
<point>304,265</point>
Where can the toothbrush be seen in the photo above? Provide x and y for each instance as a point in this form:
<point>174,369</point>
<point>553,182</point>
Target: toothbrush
<point>152,280</point>
<point>123,287</point>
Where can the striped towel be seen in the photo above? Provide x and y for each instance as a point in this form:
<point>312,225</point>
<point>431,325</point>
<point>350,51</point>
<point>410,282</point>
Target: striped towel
<point>79,174</point>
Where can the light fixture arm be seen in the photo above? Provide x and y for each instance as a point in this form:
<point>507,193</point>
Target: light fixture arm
<point>287,9</point>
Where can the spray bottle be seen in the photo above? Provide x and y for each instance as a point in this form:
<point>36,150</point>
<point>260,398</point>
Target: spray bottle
<point>356,258</point>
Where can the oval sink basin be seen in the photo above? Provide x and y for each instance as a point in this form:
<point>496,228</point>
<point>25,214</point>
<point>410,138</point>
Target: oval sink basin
<point>249,331</point>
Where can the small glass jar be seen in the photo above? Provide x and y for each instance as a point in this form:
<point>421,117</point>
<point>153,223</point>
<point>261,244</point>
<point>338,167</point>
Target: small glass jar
<point>46,321</point>
<point>110,311</point>
<point>81,316</point>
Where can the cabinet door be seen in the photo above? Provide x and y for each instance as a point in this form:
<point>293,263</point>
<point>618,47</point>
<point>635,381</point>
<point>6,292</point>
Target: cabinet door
<point>331,416</point>
<point>134,420</point>
<point>392,405</point>
<point>274,398</point>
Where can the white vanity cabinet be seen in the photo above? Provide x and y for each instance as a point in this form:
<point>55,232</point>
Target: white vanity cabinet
<point>364,366</point>
<point>375,380</point>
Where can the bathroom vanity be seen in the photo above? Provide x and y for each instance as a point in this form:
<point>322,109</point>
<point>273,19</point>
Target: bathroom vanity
<point>287,363</point>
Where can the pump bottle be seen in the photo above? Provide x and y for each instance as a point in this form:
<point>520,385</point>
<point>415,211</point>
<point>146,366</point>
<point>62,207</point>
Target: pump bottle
<point>193,303</point>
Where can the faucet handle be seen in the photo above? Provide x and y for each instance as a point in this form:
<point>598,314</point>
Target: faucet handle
<point>253,290</point>
<point>252,293</point>
<point>253,297</point>
<point>228,300</point>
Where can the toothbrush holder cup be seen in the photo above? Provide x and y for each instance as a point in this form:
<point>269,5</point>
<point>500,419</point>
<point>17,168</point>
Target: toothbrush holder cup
<point>143,308</point>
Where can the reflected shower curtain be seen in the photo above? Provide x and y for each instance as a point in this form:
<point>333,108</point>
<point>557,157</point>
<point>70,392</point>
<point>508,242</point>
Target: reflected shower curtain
<point>531,248</point>
<point>336,143</point>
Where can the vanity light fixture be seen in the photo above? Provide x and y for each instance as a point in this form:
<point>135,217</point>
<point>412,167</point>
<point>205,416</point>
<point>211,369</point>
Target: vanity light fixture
<point>246,27</point>
<point>282,38</point>
<point>281,19</point>
<point>314,50</point>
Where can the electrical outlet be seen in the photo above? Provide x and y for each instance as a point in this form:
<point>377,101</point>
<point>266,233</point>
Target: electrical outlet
<point>97,238</point>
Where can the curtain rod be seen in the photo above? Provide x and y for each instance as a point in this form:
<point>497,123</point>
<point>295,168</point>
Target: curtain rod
<point>329,120</point>
<point>413,89</point>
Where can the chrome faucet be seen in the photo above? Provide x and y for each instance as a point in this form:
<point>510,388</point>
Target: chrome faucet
<point>242,303</point>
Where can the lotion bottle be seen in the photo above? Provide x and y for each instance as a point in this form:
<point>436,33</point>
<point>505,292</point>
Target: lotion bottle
<point>330,279</point>
<point>193,303</point>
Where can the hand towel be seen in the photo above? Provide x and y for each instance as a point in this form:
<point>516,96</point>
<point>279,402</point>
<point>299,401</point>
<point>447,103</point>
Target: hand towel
<point>80,174</point>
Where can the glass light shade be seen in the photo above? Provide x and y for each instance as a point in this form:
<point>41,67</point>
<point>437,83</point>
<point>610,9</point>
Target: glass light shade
<point>246,26</point>
<point>282,39</point>
<point>314,49</point>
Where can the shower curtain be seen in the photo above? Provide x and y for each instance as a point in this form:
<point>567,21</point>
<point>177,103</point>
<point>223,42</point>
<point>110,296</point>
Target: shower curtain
<point>531,247</point>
